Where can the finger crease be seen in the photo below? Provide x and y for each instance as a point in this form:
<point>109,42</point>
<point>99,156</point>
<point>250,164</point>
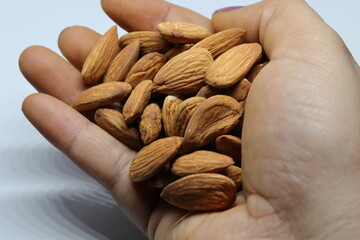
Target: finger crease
<point>74,138</point>
<point>166,14</point>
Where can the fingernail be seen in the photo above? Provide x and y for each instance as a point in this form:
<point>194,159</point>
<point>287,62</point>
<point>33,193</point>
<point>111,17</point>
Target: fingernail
<point>227,9</point>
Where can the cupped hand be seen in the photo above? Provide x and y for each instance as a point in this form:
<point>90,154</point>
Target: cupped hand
<point>301,138</point>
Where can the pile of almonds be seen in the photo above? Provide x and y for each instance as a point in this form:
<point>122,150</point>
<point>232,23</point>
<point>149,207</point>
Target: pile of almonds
<point>177,97</point>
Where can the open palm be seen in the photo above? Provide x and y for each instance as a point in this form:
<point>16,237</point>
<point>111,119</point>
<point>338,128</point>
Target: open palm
<point>299,177</point>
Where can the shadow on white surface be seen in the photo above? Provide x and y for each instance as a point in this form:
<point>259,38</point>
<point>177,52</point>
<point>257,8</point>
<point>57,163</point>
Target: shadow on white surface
<point>55,199</point>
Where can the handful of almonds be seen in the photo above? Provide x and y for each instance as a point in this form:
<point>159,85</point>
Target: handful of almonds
<point>177,97</point>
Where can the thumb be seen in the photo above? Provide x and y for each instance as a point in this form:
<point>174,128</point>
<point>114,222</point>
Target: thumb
<point>301,125</point>
<point>277,25</point>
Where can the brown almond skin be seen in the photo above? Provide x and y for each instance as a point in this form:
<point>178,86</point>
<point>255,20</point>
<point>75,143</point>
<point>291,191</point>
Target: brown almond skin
<point>214,117</point>
<point>137,101</point>
<point>154,157</point>
<point>100,57</point>
<point>233,65</point>
<point>220,42</point>
<point>183,114</point>
<point>184,73</point>
<point>201,161</point>
<point>240,90</point>
<point>230,146</point>
<point>122,63</point>
<point>235,174</point>
<point>149,41</point>
<point>201,192</point>
<point>145,68</point>
<point>150,123</point>
<point>101,95</point>
<point>114,123</point>
<point>182,32</point>
<point>255,71</point>
<point>170,105</point>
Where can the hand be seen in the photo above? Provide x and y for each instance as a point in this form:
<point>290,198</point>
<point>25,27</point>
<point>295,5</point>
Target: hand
<point>301,131</point>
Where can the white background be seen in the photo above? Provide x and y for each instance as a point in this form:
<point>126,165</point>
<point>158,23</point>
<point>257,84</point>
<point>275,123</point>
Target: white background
<point>42,194</point>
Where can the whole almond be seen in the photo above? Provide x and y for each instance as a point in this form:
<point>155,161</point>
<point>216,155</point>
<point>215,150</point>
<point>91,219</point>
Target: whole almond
<point>154,157</point>
<point>230,146</point>
<point>150,123</point>
<point>255,71</point>
<point>183,114</point>
<point>122,63</point>
<point>149,41</point>
<point>184,73</point>
<point>201,161</point>
<point>114,123</point>
<point>182,32</point>
<point>101,95</point>
<point>233,65</point>
<point>201,192</point>
<point>100,57</point>
<point>220,42</point>
<point>215,116</point>
<point>137,101</point>
<point>235,174</point>
<point>170,105</point>
<point>240,90</point>
<point>145,68</point>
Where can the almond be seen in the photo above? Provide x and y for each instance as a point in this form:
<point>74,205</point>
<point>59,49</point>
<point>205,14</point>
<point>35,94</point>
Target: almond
<point>100,57</point>
<point>215,116</point>
<point>114,123</point>
<point>154,157</point>
<point>240,90</point>
<point>182,32</point>
<point>101,95</point>
<point>170,105</point>
<point>233,65</point>
<point>122,63</point>
<point>230,146</point>
<point>150,123</point>
<point>220,42</point>
<point>201,192</point>
<point>184,73</point>
<point>255,71</point>
<point>201,161</point>
<point>149,41</point>
<point>145,68</point>
<point>183,114</point>
<point>137,101</point>
<point>234,173</point>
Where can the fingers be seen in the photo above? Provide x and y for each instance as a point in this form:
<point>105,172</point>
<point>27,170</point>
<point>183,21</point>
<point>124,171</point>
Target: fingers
<point>265,23</point>
<point>92,149</point>
<point>76,43</point>
<point>138,15</point>
<point>51,74</point>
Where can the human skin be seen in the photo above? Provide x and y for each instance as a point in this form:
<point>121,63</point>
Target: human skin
<point>301,136</point>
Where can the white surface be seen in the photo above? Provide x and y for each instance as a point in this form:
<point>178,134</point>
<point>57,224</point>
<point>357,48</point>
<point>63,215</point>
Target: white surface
<point>42,194</point>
